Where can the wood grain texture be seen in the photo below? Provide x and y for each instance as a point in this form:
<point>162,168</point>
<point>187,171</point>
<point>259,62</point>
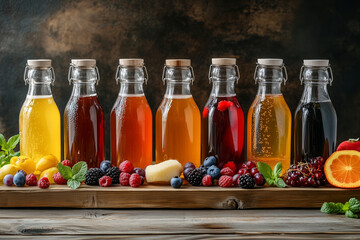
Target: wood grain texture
<point>151,196</point>
<point>175,224</point>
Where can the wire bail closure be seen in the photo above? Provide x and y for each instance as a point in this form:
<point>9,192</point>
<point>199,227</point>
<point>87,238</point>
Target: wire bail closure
<point>328,68</point>
<point>192,74</point>
<point>72,66</point>
<point>236,69</point>
<point>117,74</point>
<point>26,72</point>
<point>283,69</point>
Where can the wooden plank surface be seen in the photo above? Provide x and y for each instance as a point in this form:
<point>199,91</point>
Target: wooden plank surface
<point>188,197</point>
<point>175,224</point>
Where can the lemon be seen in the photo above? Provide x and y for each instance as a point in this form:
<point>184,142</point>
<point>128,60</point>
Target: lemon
<point>49,174</point>
<point>8,169</point>
<point>46,162</point>
<point>24,163</point>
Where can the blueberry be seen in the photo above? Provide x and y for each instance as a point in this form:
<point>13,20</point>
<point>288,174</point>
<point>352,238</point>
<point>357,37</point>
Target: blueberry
<point>8,180</point>
<point>22,171</point>
<point>176,182</point>
<point>214,172</point>
<point>105,165</point>
<point>19,180</point>
<point>189,165</point>
<point>210,161</point>
<point>203,170</point>
<point>139,171</point>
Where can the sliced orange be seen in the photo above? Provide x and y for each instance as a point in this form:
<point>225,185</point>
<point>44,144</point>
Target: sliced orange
<point>342,169</point>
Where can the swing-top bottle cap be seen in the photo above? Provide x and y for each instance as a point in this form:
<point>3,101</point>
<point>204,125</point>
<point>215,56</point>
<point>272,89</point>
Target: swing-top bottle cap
<point>270,61</point>
<point>178,62</point>
<point>39,63</point>
<point>135,62</point>
<point>223,61</point>
<point>90,63</point>
<point>316,62</point>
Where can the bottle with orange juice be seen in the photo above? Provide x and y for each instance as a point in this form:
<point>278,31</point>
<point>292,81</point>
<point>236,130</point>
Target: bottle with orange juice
<point>178,121</point>
<point>39,119</point>
<point>269,117</point>
<point>131,117</point>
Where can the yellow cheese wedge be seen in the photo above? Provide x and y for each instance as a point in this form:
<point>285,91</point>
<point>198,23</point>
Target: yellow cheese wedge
<point>163,172</point>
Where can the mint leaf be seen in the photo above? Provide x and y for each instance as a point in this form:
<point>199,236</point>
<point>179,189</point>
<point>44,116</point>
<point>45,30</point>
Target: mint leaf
<point>2,140</point>
<point>73,184</point>
<point>269,181</point>
<point>13,142</point>
<point>279,182</point>
<point>346,207</point>
<point>79,178</point>
<point>350,214</point>
<point>277,170</point>
<point>339,207</point>
<point>79,169</point>
<point>265,170</point>
<point>327,208</point>
<point>65,171</point>
<point>354,205</point>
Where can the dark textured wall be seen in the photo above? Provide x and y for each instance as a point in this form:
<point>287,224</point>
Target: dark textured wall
<point>155,30</point>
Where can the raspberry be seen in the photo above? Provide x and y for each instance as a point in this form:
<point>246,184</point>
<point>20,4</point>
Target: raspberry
<point>67,163</point>
<point>124,179</point>
<point>223,105</point>
<point>205,113</point>
<point>225,181</point>
<point>135,180</point>
<point>227,172</point>
<point>58,179</point>
<point>207,181</point>
<point>105,181</point>
<point>44,182</point>
<point>31,180</point>
<point>230,165</point>
<point>126,167</point>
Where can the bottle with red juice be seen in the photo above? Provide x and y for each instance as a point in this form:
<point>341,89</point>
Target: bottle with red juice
<point>83,116</point>
<point>223,117</point>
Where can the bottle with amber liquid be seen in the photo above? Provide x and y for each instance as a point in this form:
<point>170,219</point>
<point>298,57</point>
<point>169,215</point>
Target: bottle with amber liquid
<point>269,117</point>
<point>131,118</point>
<point>178,121</point>
<point>83,116</point>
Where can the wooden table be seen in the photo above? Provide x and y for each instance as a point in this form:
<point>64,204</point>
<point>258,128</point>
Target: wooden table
<point>175,224</point>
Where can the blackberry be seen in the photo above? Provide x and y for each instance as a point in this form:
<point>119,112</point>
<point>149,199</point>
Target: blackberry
<point>93,175</point>
<point>195,177</point>
<point>246,181</point>
<point>203,170</point>
<point>114,173</point>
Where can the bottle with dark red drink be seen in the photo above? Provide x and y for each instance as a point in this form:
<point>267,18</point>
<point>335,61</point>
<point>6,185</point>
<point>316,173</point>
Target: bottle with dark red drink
<point>223,117</point>
<point>83,116</point>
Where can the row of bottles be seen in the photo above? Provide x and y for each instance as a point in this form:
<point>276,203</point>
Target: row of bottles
<point>180,128</point>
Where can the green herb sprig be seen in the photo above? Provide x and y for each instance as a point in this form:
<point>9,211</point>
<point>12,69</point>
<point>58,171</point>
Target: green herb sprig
<point>350,208</point>
<point>272,177</point>
<point>75,175</point>
<point>7,148</point>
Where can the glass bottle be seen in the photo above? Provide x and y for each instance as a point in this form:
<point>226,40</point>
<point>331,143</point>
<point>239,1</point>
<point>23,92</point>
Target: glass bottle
<point>223,117</point>
<point>131,117</point>
<point>269,117</point>
<point>39,119</point>
<point>83,116</point>
<point>315,121</point>
<point>178,122</point>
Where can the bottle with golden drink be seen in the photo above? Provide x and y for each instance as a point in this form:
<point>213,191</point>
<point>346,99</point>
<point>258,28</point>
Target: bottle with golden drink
<point>178,121</point>
<point>269,117</point>
<point>39,119</point>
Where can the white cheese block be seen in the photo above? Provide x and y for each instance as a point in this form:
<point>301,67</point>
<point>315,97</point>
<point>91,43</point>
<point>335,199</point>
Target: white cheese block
<point>164,171</point>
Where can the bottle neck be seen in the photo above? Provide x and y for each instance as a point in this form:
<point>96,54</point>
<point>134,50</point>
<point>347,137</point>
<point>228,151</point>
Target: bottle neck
<point>131,89</point>
<point>39,89</point>
<point>223,88</point>
<point>315,92</point>
<point>177,88</point>
<point>83,89</point>
<point>269,88</point>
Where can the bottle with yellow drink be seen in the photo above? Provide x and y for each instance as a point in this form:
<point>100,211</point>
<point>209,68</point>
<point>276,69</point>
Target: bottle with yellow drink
<point>39,120</point>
